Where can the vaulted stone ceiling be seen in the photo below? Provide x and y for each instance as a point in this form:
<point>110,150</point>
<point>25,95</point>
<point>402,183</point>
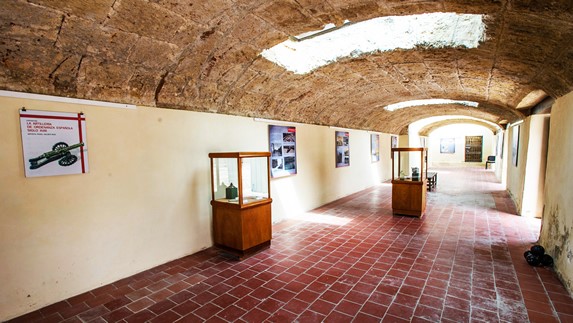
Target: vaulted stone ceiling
<point>204,56</point>
<point>428,129</point>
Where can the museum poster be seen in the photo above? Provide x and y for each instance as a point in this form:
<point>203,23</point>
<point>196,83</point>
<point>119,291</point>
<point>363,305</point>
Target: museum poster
<point>374,147</point>
<point>53,143</point>
<point>283,150</point>
<point>342,148</point>
<point>393,144</point>
<point>447,145</point>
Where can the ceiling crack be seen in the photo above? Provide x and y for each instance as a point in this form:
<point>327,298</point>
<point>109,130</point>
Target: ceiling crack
<point>51,75</point>
<point>59,29</point>
<point>502,27</point>
<point>79,65</point>
<point>159,87</point>
<point>458,77</point>
<point>232,85</point>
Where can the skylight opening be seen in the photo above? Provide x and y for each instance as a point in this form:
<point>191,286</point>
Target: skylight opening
<point>415,103</point>
<point>307,52</point>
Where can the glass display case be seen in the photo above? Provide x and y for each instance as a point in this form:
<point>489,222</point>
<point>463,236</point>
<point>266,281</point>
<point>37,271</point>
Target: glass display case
<point>409,181</point>
<point>241,179</point>
<point>241,201</point>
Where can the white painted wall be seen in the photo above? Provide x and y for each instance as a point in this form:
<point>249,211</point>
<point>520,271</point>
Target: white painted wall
<point>458,132</point>
<point>557,222</point>
<point>501,156</point>
<point>516,174</point>
<point>525,182</point>
<point>534,181</point>
<point>146,198</point>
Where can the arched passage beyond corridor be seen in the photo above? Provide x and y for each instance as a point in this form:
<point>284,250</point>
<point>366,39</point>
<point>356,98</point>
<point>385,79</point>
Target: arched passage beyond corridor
<point>462,261</point>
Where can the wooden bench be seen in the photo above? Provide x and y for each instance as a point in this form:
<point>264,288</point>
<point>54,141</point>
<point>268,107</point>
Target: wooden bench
<point>432,180</point>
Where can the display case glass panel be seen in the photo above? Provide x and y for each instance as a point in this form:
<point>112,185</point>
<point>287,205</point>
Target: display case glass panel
<point>225,173</point>
<point>255,179</point>
<point>239,176</point>
<point>409,164</point>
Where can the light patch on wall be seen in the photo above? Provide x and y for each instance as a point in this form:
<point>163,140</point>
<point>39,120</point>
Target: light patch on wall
<point>310,51</point>
<point>415,103</point>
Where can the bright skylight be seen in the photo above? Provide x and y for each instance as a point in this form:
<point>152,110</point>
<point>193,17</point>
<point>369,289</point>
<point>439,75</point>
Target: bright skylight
<point>415,103</point>
<point>432,30</point>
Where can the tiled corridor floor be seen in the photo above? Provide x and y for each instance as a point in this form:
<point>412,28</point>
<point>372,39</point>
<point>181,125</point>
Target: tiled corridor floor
<point>352,260</point>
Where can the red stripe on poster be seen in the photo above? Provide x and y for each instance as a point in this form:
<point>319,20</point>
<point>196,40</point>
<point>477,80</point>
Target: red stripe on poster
<point>80,119</point>
<point>49,117</point>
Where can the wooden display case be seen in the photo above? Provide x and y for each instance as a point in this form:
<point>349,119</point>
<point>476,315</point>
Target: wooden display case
<point>409,189</point>
<point>241,202</point>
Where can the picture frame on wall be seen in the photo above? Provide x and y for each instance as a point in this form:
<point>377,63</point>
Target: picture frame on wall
<point>447,145</point>
<point>374,147</point>
<point>342,148</point>
<point>393,143</point>
<point>502,146</point>
<point>282,146</point>
<point>53,143</point>
<point>499,146</point>
<point>515,145</point>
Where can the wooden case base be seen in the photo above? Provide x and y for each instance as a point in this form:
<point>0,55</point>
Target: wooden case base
<point>241,231</point>
<point>409,197</point>
<point>242,254</point>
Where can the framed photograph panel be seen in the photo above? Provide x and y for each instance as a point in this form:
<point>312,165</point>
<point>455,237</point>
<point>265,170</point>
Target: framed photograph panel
<point>53,143</point>
<point>342,148</point>
<point>447,145</point>
<point>515,145</point>
<point>374,147</point>
<point>282,145</point>
<point>393,143</point>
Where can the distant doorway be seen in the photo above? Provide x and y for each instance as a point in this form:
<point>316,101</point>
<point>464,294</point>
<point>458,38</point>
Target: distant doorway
<point>474,145</point>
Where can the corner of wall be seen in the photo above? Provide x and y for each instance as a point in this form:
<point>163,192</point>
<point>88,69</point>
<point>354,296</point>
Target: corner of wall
<point>557,220</point>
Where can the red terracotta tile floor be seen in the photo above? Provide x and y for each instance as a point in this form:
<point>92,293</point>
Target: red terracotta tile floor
<point>352,260</point>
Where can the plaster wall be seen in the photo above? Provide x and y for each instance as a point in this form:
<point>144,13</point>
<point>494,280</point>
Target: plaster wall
<point>458,132</point>
<point>516,174</point>
<point>557,221</point>
<point>501,157</point>
<point>534,181</point>
<point>145,200</point>
<point>525,182</point>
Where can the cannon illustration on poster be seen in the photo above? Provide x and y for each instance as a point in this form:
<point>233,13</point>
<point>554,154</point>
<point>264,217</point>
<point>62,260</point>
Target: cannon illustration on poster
<point>60,152</point>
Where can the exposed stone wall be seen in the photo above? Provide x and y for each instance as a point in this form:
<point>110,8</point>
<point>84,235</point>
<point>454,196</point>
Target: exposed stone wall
<point>204,56</point>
